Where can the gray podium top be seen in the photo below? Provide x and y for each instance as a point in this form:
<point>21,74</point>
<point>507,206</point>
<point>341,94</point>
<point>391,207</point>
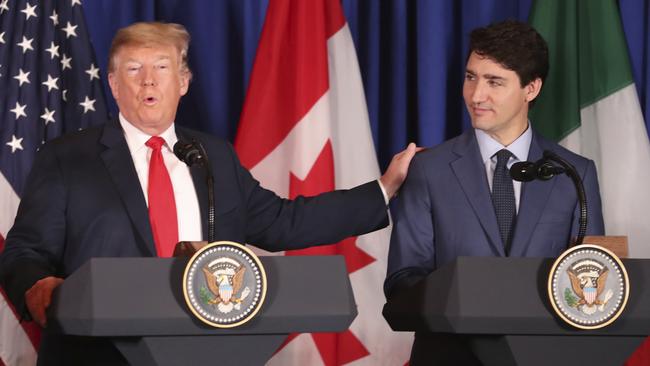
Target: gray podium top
<point>488,295</point>
<point>144,297</point>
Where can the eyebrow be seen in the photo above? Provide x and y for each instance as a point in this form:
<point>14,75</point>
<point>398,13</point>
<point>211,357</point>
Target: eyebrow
<point>160,58</point>
<point>487,76</point>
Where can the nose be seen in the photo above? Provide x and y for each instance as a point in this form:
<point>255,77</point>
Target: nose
<point>148,78</point>
<point>478,93</point>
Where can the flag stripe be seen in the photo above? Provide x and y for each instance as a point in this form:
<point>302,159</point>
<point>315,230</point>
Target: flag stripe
<point>606,142</point>
<point>291,57</point>
<point>589,44</point>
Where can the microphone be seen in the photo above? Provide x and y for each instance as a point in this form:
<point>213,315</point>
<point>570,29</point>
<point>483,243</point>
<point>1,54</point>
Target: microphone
<point>188,152</point>
<point>526,171</point>
<point>192,153</point>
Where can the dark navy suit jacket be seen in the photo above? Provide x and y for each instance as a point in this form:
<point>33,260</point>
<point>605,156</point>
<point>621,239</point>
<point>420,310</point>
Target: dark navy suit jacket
<point>444,210</point>
<point>83,199</point>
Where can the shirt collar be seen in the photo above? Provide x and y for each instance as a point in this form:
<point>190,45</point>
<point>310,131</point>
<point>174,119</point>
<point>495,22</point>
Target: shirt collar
<point>489,146</point>
<point>136,138</point>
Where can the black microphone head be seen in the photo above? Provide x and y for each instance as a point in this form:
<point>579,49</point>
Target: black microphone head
<point>523,171</point>
<point>187,152</point>
<point>546,170</point>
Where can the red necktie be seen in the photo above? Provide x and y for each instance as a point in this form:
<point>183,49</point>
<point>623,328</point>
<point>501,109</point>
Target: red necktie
<point>162,206</point>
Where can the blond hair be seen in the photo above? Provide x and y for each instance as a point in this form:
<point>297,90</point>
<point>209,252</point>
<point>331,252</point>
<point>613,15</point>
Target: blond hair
<point>151,33</point>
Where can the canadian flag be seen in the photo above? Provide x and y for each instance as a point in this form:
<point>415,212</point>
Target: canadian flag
<point>304,129</point>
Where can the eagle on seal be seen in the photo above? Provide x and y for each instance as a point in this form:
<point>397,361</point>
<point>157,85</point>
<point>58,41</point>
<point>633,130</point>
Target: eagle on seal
<point>222,288</point>
<point>588,287</point>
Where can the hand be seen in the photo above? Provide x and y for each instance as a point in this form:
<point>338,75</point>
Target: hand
<point>396,172</point>
<point>39,296</point>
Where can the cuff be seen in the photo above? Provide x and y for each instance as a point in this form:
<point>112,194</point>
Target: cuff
<point>383,191</point>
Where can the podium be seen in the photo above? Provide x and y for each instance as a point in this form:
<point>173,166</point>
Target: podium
<point>138,304</point>
<point>502,305</point>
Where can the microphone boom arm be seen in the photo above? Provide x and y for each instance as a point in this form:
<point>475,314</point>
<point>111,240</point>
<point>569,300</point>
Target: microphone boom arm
<point>570,170</point>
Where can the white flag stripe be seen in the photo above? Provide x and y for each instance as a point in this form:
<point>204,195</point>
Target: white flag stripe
<point>15,347</point>
<point>355,161</point>
<point>613,134</point>
<point>8,206</point>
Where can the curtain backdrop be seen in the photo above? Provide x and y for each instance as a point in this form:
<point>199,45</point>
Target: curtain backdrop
<point>411,55</point>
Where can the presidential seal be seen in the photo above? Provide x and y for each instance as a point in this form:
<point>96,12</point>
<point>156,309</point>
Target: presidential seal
<point>588,287</point>
<point>224,284</point>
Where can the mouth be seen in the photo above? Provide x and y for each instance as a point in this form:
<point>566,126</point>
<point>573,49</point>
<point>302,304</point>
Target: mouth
<point>150,100</point>
<point>480,110</point>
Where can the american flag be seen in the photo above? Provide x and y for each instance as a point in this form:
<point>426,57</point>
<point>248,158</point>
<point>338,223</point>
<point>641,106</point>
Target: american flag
<point>49,85</point>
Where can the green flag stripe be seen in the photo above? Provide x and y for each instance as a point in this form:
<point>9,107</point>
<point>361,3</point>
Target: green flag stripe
<point>588,60</point>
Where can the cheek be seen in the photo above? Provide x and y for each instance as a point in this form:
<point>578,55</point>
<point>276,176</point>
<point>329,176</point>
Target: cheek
<point>467,93</point>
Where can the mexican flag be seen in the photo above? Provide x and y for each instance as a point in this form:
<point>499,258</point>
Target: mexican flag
<point>590,105</point>
<point>304,129</point>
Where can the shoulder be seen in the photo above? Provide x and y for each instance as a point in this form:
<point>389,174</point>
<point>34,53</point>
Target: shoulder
<point>217,148</point>
<point>578,161</point>
<point>447,151</point>
<point>75,143</point>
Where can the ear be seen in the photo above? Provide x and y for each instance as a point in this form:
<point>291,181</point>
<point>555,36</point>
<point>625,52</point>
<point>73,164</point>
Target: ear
<point>186,75</point>
<point>112,82</point>
<point>532,89</point>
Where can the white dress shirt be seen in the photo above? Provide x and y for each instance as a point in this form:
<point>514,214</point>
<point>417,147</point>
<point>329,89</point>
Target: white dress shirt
<point>489,147</point>
<point>187,203</point>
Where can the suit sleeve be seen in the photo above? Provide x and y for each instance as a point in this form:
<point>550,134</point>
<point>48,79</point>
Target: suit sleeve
<point>595,223</point>
<point>274,223</point>
<point>35,242</point>
<point>412,252</point>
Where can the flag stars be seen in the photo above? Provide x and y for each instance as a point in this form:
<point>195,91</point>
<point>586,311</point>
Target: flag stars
<point>15,144</point>
<point>75,2</point>
<point>3,6</point>
<point>53,50</point>
<point>30,11</point>
<point>19,110</point>
<point>64,95</point>
<point>55,18</point>
<point>48,116</point>
<point>88,105</point>
<point>65,62</point>
<point>26,44</point>
<point>93,72</point>
<point>51,83</point>
<point>2,37</point>
<point>70,30</point>
<point>22,77</point>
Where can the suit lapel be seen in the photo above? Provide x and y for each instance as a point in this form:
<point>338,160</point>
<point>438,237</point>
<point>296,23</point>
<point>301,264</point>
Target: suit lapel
<point>534,196</point>
<point>119,163</point>
<point>470,172</point>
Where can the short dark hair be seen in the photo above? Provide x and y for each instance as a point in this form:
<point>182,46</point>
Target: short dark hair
<point>515,45</point>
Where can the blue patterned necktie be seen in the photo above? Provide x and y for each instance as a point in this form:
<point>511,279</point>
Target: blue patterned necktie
<point>503,198</point>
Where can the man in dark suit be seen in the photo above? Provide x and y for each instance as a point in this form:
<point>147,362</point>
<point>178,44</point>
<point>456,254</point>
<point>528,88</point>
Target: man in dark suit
<point>458,198</point>
<point>90,193</point>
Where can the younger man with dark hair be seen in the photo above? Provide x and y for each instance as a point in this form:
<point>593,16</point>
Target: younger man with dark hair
<point>459,199</point>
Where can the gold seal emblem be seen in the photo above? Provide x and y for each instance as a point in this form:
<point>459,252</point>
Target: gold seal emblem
<point>224,284</point>
<point>588,287</point>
